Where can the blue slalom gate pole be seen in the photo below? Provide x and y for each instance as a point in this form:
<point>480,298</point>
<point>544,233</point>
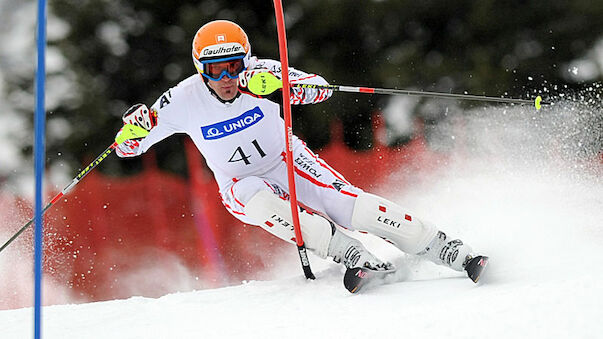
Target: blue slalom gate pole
<point>39,157</point>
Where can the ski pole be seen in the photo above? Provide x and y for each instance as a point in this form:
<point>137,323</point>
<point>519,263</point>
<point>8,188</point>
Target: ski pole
<point>128,132</point>
<point>266,83</point>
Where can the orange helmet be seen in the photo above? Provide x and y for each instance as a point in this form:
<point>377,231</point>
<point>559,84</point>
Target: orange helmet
<point>219,41</point>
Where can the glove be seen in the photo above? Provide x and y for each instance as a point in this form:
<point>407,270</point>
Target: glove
<point>141,116</point>
<point>127,149</point>
<point>304,95</point>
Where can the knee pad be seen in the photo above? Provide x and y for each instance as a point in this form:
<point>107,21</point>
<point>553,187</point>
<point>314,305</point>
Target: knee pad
<point>387,220</point>
<point>244,189</point>
<point>274,215</point>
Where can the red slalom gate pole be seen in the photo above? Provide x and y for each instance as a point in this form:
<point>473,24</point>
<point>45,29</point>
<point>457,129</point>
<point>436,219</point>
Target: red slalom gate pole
<point>282,46</point>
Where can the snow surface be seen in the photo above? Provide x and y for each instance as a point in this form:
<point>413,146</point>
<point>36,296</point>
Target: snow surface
<point>516,188</point>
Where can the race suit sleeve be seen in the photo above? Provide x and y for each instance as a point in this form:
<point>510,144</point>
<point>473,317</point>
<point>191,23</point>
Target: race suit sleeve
<point>299,96</point>
<point>166,123</point>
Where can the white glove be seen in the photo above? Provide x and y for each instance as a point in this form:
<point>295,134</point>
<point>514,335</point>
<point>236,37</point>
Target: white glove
<point>304,95</point>
<point>141,116</point>
<point>128,148</point>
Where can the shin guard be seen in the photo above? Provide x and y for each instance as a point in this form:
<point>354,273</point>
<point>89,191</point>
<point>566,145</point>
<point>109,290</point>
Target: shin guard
<point>387,220</point>
<point>274,215</point>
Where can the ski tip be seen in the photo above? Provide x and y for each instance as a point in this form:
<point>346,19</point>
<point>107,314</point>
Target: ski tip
<point>354,279</point>
<point>476,266</point>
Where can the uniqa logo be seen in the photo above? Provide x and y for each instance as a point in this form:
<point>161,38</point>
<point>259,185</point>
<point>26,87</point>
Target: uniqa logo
<point>231,126</point>
<point>213,132</point>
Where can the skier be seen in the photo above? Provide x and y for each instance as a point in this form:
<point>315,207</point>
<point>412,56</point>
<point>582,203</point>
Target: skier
<point>242,139</point>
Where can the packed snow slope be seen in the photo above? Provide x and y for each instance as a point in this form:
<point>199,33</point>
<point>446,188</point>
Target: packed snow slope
<point>523,187</point>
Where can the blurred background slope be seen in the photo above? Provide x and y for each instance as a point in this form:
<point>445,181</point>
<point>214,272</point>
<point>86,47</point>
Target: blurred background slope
<point>103,56</point>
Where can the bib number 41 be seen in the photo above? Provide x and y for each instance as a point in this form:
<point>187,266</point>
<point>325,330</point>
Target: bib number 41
<point>240,155</point>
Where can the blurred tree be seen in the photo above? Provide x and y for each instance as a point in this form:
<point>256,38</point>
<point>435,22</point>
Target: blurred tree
<point>131,51</point>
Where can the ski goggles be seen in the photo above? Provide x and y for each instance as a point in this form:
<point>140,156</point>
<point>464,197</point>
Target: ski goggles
<point>216,69</point>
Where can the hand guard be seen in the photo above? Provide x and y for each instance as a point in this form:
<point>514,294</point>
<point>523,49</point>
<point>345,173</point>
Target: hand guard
<point>244,80</point>
<point>139,115</point>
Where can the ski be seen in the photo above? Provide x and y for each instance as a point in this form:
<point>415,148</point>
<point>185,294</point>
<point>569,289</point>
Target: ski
<point>475,267</point>
<point>357,278</point>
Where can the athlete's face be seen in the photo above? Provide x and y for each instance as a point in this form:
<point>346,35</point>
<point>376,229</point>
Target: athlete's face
<point>226,88</point>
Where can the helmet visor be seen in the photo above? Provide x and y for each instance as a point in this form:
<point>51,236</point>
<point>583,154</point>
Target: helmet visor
<point>216,69</point>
